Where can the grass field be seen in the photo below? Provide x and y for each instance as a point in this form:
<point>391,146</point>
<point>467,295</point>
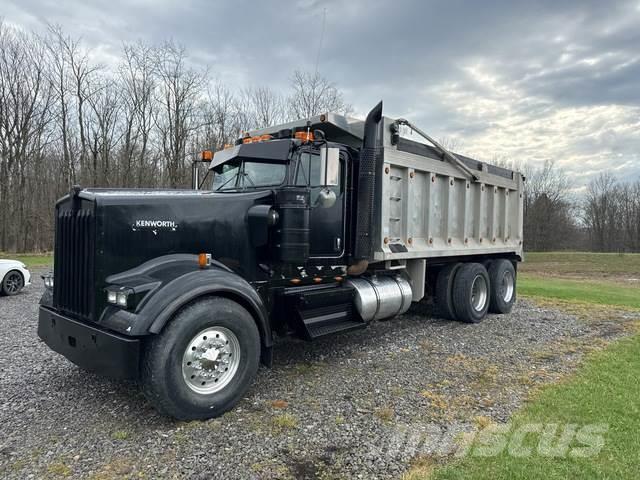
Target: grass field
<point>30,260</point>
<point>601,293</point>
<point>596,266</point>
<point>600,278</point>
<point>604,392</point>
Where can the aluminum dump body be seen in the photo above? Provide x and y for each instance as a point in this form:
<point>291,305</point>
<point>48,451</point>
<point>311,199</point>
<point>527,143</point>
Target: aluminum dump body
<point>427,206</point>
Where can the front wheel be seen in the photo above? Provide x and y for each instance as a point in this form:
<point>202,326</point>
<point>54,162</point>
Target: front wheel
<point>203,362</point>
<point>12,283</point>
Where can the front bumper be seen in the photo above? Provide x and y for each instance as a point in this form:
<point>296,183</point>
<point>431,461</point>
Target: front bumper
<point>91,348</point>
<point>27,277</point>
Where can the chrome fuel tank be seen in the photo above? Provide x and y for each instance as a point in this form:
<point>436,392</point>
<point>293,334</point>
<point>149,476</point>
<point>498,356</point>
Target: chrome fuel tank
<point>381,296</point>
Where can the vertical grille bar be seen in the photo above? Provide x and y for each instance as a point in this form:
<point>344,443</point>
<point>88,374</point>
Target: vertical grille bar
<point>74,263</point>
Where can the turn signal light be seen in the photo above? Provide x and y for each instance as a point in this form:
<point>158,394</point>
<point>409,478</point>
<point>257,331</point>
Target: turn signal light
<point>304,136</point>
<point>204,260</point>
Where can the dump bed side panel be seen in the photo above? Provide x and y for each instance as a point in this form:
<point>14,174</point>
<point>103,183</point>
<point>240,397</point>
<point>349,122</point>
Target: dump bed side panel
<point>430,208</point>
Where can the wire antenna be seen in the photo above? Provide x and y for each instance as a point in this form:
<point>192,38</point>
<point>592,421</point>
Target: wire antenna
<point>324,20</point>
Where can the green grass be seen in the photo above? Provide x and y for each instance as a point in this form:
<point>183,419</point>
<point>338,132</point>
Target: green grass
<point>30,260</point>
<point>584,264</point>
<point>604,391</point>
<point>602,292</point>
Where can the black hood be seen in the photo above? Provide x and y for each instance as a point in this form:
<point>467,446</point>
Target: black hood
<point>102,232</point>
<point>134,226</point>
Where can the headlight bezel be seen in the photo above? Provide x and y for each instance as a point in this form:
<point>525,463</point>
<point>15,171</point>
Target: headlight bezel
<point>119,296</point>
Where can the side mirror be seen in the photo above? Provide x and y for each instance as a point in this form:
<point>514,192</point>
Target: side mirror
<point>330,166</point>
<point>330,169</point>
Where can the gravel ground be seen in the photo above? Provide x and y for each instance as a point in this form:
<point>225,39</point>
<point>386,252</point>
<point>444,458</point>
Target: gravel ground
<point>336,408</point>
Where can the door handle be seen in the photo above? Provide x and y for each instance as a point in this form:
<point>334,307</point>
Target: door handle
<point>337,244</point>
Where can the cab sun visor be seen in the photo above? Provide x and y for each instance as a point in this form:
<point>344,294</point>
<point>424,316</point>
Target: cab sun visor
<point>268,151</point>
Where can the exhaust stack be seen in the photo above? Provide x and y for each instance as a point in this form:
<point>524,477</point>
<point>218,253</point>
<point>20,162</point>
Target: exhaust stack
<point>371,158</point>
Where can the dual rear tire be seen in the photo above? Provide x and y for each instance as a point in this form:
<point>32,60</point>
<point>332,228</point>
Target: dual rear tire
<point>467,291</point>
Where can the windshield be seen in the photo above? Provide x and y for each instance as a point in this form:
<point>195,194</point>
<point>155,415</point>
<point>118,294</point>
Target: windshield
<point>237,174</point>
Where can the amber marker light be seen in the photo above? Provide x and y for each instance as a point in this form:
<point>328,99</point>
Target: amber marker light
<point>304,136</point>
<point>204,260</point>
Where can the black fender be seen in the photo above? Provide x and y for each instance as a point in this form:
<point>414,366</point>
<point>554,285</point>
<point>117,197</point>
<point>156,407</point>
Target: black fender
<point>169,283</point>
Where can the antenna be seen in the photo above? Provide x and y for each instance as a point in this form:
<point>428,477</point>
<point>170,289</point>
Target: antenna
<point>324,20</point>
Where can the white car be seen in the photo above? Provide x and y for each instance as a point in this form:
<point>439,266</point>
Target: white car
<point>13,277</point>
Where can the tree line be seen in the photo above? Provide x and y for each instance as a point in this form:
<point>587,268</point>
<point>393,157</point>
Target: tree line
<point>604,218</point>
<point>67,120</point>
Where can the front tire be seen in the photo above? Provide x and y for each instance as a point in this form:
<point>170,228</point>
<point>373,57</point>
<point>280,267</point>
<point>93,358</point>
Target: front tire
<point>204,360</point>
<point>471,289</point>
<point>12,283</point>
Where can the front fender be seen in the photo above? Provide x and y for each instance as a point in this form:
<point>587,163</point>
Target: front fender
<point>168,293</point>
<point>190,286</point>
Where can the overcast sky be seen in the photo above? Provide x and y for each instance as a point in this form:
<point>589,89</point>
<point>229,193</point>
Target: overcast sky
<point>529,80</point>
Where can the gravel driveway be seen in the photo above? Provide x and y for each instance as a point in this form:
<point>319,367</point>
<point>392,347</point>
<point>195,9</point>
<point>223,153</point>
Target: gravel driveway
<point>330,409</point>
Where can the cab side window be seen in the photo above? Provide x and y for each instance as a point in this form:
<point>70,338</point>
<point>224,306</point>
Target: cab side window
<point>308,169</point>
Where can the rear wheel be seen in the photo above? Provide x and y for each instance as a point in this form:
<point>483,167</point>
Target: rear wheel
<point>203,362</point>
<point>502,275</point>
<point>444,291</point>
<point>471,289</point>
<point>12,283</point>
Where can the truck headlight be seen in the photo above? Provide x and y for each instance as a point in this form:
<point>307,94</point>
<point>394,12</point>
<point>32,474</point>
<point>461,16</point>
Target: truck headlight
<point>121,299</point>
<point>119,296</point>
<point>111,296</point>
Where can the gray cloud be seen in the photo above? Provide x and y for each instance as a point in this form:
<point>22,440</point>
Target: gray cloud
<point>526,80</point>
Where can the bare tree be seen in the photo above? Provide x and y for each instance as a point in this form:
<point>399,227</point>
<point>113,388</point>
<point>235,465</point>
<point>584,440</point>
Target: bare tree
<point>65,120</point>
<point>25,101</point>
<point>610,214</point>
<point>313,94</point>
<point>263,107</point>
<point>549,215</point>
<point>104,136</point>
<point>179,96</point>
<point>138,84</point>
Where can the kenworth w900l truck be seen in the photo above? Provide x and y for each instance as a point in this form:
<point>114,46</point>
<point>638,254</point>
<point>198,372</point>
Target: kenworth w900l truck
<point>307,229</point>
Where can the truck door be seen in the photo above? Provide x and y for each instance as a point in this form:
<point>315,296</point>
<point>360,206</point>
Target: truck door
<point>326,224</point>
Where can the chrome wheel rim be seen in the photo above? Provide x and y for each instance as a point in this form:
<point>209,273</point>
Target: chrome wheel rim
<point>507,286</point>
<point>479,293</point>
<point>13,282</point>
<point>211,360</point>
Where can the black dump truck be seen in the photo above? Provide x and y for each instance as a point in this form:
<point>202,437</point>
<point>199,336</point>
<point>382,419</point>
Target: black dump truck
<point>306,229</point>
